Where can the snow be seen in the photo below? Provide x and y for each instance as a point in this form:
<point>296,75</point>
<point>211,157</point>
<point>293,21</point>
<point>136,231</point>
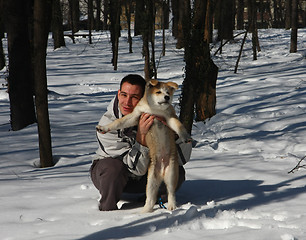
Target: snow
<point>237,186</point>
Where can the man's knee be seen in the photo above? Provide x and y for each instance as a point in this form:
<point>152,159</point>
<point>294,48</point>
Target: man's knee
<point>108,170</point>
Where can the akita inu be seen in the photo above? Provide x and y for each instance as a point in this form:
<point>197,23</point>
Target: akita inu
<point>160,139</point>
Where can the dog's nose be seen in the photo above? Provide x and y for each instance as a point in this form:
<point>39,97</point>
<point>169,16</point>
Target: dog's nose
<point>167,98</point>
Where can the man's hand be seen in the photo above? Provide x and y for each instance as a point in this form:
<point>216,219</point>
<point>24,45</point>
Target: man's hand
<point>145,122</point>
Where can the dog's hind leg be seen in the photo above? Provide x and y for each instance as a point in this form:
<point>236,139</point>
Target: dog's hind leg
<point>151,191</point>
<point>171,179</point>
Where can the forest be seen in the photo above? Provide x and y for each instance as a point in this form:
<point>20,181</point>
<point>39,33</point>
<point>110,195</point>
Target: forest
<point>27,25</point>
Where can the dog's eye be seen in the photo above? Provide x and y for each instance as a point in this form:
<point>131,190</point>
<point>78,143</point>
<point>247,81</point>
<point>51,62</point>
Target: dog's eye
<point>158,92</point>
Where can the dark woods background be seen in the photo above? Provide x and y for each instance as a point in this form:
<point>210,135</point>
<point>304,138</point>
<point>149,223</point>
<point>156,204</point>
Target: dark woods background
<point>27,23</point>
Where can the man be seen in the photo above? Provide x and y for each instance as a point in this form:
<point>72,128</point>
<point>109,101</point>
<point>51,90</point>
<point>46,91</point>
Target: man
<point>122,159</point>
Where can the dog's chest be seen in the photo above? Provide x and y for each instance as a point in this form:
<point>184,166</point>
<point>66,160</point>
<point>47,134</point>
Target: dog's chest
<point>161,141</point>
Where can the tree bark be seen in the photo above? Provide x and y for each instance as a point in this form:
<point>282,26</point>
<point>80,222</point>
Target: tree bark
<point>175,12</point>
<point>57,25</point>
<point>2,56</point>
<point>75,15</point>
<point>199,85</point>
<point>139,16</point>
<point>115,9</point>
<point>225,26</point>
<point>128,9</point>
<point>240,15</point>
<point>288,16</point>
<point>90,23</point>
<point>41,31</point>
<point>98,26</point>
<point>20,80</point>
<point>105,14</point>
<point>294,27</point>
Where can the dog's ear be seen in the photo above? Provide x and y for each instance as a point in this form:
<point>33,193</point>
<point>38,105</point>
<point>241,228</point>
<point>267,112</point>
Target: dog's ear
<point>173,85</point>
<point>153,82</point>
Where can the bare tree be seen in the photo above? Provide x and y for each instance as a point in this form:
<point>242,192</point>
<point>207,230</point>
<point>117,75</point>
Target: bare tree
<point>42,19</point>
<point>20,80</point>
<point>74,9</point>
<point>288,12</point>
<point>57,25</point>
<point>2,57</point>
<point>128,10</point>
<point>115,10</point>
<point>139,16</point>
<point>252,21</point>
<point>98,15</point>
<point>199,86</point>
<point>294,26</point>
<point>90,20</point>
<point>225,21</point>
<point>105,14</point>
<point>240,15</point>
<point>175,7</point>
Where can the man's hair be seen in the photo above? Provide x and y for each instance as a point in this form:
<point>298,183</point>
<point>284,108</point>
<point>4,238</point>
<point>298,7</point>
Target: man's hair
<point>134,79</point>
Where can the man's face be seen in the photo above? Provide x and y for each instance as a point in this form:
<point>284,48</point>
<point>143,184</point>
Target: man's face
<point>128,97</point>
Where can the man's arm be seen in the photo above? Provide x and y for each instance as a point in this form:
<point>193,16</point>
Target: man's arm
<point>145,122</point>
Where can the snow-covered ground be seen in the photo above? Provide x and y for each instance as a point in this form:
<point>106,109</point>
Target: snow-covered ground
<point>237,187</point>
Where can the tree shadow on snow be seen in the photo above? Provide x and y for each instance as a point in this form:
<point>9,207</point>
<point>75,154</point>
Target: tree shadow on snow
<point>239,195</point>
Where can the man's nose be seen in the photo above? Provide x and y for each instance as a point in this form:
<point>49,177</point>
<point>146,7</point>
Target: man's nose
<point>129,101</point>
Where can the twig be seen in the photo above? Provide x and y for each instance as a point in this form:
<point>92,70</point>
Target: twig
<point>240,52</point>
<point>298,166</point>
<point>223,44</point>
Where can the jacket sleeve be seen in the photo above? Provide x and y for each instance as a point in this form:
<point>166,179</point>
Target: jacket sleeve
<point>184,151</point>
<point>117,145</point>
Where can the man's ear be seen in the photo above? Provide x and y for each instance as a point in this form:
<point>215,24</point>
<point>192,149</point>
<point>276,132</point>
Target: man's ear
<point>173,85</point>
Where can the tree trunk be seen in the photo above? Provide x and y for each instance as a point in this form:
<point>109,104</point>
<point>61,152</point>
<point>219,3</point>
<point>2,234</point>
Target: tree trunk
<point>288,16</point>
<point>98,26</point>
<point>90,23</point>
<point>240,15</point>
<point>146,31</point>
<point>115,9</point>
<point>75,15</point>
<point>139,15</point>
<point>199,85</point>
<point>105,14</point>
<point>181,21</point>
<point>208,22</point>
<point>2,56</point>
<point>225,26</point>
<point>175,13</point>
<point>128,9</point>
<point>41,30</point>
<point>20,80</point>
<point>152,14</point>
<point>294,27</point>
<point>57,25</point>
<point>252,19</point>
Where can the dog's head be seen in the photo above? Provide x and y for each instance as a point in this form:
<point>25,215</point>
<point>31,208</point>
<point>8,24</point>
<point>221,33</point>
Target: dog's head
<point>160,94</point>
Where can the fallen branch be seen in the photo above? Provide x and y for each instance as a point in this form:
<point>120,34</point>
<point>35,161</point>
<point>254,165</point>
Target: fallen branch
<point>298,166</point>
<point>222,44</point>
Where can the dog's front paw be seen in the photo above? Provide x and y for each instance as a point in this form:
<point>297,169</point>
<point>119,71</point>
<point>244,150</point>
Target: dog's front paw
<point>102,129</point>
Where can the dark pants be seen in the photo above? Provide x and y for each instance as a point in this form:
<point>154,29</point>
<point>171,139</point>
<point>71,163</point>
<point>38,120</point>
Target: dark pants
<point>111,177</point>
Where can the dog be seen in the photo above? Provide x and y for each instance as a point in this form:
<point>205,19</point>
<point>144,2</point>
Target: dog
<point>160,139</point>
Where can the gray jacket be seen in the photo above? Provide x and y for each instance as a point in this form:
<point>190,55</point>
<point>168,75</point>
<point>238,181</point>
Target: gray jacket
<point>122,144</point>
